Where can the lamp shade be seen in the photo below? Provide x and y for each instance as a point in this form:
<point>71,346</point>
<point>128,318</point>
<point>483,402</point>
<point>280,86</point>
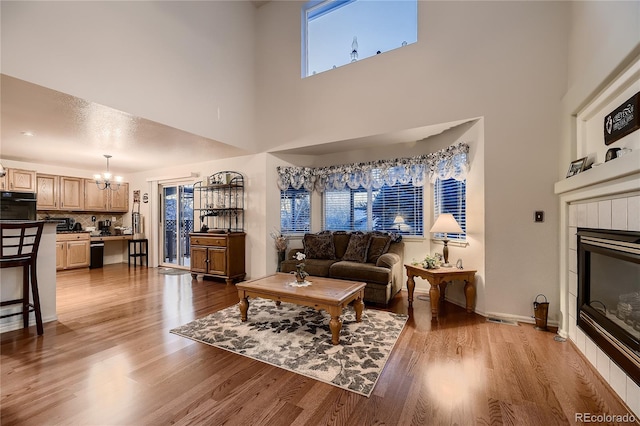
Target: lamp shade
<point>447,224</point>
<point>398,220</point>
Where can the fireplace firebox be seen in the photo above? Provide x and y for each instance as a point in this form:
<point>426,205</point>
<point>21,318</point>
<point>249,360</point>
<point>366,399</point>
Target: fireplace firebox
<point>609,294</point>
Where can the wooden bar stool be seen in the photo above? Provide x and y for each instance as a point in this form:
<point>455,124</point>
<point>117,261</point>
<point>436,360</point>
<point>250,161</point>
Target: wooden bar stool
<point>140,249</point>
<point>19,244</point>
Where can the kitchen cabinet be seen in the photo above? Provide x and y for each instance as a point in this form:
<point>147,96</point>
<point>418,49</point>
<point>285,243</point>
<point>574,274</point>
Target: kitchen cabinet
<point>47,187</point>
<point>71,193</point>
<point>218,255</point>
<point>73,250</point>
<point>97,200</point>
<point>59,192</point>
<point>19,180</point>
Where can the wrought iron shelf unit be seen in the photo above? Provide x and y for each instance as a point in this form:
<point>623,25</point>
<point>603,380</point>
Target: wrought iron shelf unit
<point>221,202</point>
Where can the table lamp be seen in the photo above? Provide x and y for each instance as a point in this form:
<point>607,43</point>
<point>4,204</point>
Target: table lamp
<point>398,221</point>
<point>446,223</point>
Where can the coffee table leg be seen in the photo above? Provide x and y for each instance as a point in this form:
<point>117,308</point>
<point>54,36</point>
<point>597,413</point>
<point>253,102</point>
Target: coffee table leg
<point>335,324</point>
<point>244,307</point>
<point>358,306</point>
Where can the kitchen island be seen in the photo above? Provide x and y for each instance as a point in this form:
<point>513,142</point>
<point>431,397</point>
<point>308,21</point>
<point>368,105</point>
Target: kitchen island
<point>11,283</point>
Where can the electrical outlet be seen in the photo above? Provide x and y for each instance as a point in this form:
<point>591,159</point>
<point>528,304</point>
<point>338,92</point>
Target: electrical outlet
<point>113,218</point>
<point>539,216</point>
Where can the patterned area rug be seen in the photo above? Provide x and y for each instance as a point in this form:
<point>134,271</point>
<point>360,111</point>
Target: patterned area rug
<point>298,339</point>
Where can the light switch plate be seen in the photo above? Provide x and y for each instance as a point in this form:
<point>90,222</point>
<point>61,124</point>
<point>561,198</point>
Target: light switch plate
<point>539,216</point>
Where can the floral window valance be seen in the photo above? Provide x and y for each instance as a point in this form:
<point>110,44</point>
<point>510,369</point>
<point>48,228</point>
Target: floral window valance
<point>451,162</point>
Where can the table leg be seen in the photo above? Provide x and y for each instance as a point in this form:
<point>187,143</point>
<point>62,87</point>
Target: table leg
<point>470,294</point>
<point>434,296</point>
<point>358,306</point>
<point>244,307</point>
<point>335,324</point>
<point>443,289</point>
<point>411,285</point>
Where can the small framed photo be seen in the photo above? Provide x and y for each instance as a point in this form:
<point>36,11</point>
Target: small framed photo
<point>577,166</point>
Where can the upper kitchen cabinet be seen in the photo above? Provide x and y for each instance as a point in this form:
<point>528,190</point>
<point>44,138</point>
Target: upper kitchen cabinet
<point>101,200</point>
<point>48,192</point>
<point>19,180</point>
<point>59,193</point>
<point>119,200</point>
<point>71,193</point>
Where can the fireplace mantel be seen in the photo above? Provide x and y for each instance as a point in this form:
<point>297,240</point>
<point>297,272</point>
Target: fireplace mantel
<point>626,165</point>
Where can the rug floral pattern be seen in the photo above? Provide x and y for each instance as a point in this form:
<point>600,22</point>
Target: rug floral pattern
<point>298,339</point>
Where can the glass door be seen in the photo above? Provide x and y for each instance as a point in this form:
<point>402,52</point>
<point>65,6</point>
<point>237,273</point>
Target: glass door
<point>176,223</point>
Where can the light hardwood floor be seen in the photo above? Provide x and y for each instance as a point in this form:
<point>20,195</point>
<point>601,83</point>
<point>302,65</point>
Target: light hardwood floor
<point>110,360</point>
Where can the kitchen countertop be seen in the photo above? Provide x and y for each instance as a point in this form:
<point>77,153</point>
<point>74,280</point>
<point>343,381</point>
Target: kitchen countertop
<point>112,237</point>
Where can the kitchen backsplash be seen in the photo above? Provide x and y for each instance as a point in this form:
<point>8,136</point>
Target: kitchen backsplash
<point>85,219</point>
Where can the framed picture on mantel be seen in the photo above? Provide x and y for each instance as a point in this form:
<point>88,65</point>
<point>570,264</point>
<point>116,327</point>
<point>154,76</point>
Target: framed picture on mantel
<point>576,166</point>
<point>622,120</point>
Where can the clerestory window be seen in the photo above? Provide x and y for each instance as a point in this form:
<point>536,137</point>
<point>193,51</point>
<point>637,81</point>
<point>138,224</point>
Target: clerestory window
<point>339,32</point>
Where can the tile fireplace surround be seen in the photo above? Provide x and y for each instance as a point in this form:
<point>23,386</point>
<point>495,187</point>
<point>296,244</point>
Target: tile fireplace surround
<point>605,197</point>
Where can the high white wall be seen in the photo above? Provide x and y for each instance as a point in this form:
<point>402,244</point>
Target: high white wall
<point>503,61</point>
<point>188,65</point>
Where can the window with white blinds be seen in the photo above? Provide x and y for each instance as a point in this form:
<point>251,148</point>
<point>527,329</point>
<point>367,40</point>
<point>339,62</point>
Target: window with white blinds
<point>450,196</point>
<point>295,211</point>
<point>397,208</point>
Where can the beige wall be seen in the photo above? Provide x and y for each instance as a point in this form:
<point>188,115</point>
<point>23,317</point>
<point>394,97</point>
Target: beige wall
<point>503,61</point>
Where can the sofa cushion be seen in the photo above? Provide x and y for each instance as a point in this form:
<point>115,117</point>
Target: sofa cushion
<point>378,246</point>
<point>319,246</point>
<point>357,248</point>
<point>363,272</point>
<point>340,242</point>
<point>314,267</point>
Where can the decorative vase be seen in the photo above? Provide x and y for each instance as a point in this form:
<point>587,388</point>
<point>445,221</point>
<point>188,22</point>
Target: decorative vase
<point>281,257</point>
<point>300,273</point>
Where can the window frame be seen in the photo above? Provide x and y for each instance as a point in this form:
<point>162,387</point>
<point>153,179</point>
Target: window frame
<point>317,8</point>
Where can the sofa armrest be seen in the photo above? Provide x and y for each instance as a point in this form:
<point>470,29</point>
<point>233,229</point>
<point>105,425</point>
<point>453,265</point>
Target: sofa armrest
<point>387,260</point>
<point>292,253</point>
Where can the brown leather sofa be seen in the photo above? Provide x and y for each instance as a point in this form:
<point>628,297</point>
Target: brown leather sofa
<point>373,257</point>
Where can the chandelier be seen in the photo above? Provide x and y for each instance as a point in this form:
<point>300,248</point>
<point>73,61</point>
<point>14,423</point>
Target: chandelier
<point>104,180</point>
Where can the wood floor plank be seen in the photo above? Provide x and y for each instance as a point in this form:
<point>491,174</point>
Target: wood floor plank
<point>109,359</point>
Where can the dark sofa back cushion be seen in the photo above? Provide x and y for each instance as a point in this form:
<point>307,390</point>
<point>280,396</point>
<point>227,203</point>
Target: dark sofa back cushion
<point>357,248</point>
<point>341,241</point>
<point>378,246</point>
<point>319,246</point>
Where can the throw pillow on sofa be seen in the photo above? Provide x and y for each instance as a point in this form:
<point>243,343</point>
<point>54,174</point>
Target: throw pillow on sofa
<point>357,248</point>
<point>378,246</point>
<point>319,246</point>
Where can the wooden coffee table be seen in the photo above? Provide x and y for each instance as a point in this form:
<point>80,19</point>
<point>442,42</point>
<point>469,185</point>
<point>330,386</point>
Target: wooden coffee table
<point>324,293</point>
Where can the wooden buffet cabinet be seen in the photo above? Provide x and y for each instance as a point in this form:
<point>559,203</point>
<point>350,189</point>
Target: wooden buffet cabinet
<point>218,255</point>
<point>73,250</point>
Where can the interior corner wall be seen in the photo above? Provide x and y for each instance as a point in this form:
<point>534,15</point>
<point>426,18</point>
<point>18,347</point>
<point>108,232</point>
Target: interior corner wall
<point>189,65</point>
<point>503,61</point>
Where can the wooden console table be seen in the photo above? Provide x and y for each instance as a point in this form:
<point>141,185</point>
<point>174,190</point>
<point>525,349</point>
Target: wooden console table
<point>440,277</point>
